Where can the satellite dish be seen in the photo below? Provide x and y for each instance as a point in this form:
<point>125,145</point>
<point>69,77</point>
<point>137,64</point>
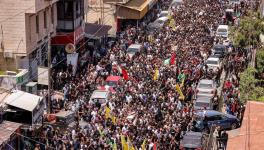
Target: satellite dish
<point>70,48</point>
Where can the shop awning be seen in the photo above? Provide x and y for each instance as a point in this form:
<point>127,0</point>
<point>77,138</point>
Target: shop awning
<point>96,31</point>
<point>23,100</point>
<point>7,128</point>
<point>135,9</point>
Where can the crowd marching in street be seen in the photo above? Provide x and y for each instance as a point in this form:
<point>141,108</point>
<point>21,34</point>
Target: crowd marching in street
<point>172,58</point>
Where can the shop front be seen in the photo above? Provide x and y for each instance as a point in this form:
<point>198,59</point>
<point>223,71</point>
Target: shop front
<point>133,10</point>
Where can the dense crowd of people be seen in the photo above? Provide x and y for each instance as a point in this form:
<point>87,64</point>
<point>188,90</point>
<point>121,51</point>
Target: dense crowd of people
<point>159,116</point>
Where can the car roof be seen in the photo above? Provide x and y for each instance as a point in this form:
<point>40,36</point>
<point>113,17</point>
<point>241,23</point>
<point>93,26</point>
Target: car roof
<point>203,99</point>
<point>163,18</point>
<point>135,46</point>
<point>206,81</point>
<point>192,140</point>
<point>223,26</point>
<point>164,11</point>
<point>99,94</point>
<point>113,78</point>
<point>208,113</point>
<point>230,10</point>
<point>213,59</point>
<point>219,45</point>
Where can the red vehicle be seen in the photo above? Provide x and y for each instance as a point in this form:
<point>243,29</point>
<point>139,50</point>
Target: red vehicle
<point>113,81</point>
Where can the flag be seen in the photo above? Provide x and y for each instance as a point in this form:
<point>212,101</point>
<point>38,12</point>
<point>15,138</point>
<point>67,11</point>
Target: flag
<point>172,60</point>
<point>178,89</point>
<point>155,146</point>
<point>113,118</point>
<point>182,83</point>
<point>166,62</point>
<point>124,143</point>
<point>107,112</point>
<point>130,145</point>
<point>125,75</point>
<point>143,145</point>
<point>156,75</point>
<point>114,146</point>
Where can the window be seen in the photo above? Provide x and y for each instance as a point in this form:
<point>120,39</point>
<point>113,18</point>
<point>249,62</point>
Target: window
<point>37,24</point>
<point>45,19</point>
<point>68,10</point>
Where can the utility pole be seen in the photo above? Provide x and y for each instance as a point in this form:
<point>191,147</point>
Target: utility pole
<point>49,77</point>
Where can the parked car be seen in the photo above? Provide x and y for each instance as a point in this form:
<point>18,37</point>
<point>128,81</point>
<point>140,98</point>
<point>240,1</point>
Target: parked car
<point>203,102</point>
<point>192,141</point>
<point>232,2</point>
<point>158,24</point>
<point>207,118</point>
<point>214,63</point>
<point>176,3</point>
<point>101,96</point>
<point>133,49</point>
<point>219,50</point>
<point>164,13</point>
<point>229,16</point>
<point>206,87</point>
<point>222,31</point>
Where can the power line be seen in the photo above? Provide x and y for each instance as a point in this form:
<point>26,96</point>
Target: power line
<point>60,61</point>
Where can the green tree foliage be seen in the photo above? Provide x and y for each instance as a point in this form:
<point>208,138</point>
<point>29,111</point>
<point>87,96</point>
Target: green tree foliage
<point>247,85</point>
<point>260,61</point>
<point>248,31</point>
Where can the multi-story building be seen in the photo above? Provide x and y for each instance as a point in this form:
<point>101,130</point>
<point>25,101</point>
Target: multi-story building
<point>70,28</point>
<point>115,12</point>
<point>26,26</point>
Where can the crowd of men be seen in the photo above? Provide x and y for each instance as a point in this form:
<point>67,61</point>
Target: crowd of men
<point>159,116</point>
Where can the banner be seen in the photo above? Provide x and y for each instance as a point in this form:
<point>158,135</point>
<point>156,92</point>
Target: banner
<point>73,60</point>
<point>178,89</point>
<point>43,76</point>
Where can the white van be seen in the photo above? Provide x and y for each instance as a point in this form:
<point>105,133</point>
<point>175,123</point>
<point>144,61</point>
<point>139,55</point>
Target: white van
<point>133,49</point>
<point>222,31</point>
<point>101,96</point>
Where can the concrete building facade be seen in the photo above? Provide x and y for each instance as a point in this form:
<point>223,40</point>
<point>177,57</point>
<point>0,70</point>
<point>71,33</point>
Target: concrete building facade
<point>26,26</point>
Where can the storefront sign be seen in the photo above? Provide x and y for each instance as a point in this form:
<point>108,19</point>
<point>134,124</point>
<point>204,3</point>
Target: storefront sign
<point>78,34</point>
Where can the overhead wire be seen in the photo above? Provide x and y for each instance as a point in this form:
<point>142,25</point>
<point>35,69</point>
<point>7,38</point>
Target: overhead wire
<point>28,138</point>
<point>10,90</point>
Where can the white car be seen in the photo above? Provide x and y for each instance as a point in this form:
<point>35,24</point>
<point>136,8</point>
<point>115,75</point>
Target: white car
<point>206,87</point>
<point>203,101</point>
<point>214,63</point>
<point>163,13</point>
<point>222,31</point>
<point>159,23</point>
<point>133,49</point>
<point>101,96</point>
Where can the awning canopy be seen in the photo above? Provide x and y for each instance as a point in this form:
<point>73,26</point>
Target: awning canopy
<point>96,30</point>
<point>23,100</point>
<point>7,128</point>
<point>134,9</point>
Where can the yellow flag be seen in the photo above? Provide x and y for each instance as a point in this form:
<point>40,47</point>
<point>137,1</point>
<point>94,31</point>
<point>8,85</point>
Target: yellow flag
<point>182,83</point>
<point>107,112</point>
<point>124,143</point>
<point>113,120</point>
<point>156,75</point>
<point>143,146</point>
<point>130,145</point>
<point>178,89</point>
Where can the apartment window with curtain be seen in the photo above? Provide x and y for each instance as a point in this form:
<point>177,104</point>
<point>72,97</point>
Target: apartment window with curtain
<point>45,19</point>
<point>37,24</point>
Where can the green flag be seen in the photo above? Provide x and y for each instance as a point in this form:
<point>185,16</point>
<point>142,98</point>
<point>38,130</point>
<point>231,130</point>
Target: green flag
<point>166,62</point>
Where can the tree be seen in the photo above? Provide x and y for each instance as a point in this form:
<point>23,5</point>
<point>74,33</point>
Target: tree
<point>248,85</point>
<point>260,61</point>
<point>248,31</point>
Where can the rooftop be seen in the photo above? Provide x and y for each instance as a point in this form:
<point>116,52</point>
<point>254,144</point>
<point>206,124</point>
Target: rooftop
<point>250,135</point>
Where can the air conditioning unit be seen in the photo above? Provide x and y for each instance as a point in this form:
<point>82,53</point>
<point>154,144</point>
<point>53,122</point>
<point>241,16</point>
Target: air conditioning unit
<point>8,55</point>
